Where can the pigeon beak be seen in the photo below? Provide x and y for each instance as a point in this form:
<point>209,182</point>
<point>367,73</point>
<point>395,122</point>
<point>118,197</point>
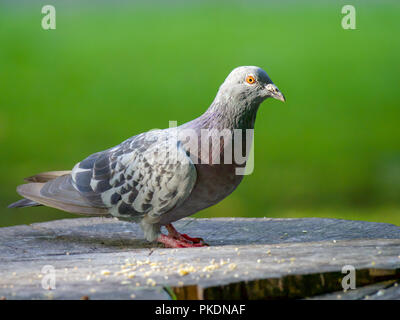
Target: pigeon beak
<point>274,92</point>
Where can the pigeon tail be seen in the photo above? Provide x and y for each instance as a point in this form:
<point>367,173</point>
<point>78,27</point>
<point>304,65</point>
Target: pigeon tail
<point>24,203</point>
<point>46,176</point>
<point>59,193</point>
<point>41,177</point>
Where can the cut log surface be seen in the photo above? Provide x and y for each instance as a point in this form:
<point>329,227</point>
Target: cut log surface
<point>250,258</point>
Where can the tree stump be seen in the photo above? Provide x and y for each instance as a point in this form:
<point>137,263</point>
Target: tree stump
<point>248,258</point>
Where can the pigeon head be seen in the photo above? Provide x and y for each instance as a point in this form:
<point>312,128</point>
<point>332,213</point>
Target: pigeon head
<point>238,100</point>
<point>249,85</point>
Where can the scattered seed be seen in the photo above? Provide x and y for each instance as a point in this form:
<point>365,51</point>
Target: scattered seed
<point>151,282</point>
<point>185,271</point>
<point>232,266</point>
<point>105,272</point>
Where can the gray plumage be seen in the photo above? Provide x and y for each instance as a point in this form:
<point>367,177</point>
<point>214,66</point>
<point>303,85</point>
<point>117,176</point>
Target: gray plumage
<point>155,178</point>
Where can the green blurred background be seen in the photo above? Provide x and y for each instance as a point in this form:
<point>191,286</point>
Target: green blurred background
<point>114,69</point>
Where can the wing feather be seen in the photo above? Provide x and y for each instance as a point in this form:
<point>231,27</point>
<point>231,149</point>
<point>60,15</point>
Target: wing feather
<point>147,174</point>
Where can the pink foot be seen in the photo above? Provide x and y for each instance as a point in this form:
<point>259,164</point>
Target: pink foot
<point>178,240</point>
<point>194,240</point>
<point>171,242</point>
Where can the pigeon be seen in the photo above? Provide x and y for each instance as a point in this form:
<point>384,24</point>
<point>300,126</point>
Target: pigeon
<point>158,177</point>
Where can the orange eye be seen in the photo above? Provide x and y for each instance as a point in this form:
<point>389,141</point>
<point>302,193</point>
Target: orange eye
<point>250,80</point>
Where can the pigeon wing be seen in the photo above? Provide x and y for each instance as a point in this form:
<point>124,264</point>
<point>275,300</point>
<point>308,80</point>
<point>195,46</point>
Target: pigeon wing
<point>147,174</point>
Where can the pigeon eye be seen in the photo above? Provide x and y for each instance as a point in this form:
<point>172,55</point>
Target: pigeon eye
<point>250,80</point>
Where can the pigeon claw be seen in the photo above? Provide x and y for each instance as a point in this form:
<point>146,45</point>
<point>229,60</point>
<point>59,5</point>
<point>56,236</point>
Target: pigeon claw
<point>194,240</point>
<point>171,242</point>
<point>174,239</point>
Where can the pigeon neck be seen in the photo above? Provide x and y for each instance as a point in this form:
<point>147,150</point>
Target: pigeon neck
<point>230,115</point>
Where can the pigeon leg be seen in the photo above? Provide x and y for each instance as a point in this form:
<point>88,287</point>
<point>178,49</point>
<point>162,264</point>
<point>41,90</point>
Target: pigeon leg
<point>174,239</point>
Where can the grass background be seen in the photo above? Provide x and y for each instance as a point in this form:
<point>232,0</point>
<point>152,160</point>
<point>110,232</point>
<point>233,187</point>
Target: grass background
<point>112,70</point>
